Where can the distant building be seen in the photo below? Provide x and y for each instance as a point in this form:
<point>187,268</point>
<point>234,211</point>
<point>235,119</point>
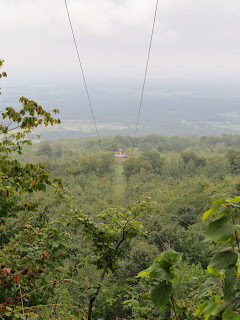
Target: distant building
<point>121,155</point>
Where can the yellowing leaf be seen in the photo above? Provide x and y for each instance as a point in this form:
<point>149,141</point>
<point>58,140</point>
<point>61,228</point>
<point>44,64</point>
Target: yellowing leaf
<point>213,271</point>
<point>143,273</point>
<point>216,205</point>
<point>234,200</point>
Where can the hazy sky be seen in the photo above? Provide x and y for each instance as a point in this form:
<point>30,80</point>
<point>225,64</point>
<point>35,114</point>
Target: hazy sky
<point>192,38</point>
<point>194,64</point>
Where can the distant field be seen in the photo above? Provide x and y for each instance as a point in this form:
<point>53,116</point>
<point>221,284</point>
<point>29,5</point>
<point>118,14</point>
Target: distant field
<point>232,127</point>
<point>230,116</point>
<point>79,128</point>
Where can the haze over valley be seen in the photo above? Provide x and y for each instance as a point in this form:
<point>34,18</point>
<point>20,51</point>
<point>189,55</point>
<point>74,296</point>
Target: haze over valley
<point>179,106</point>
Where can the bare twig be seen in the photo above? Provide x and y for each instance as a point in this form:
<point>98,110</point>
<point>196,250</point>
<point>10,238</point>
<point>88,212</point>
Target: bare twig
<point>174,310</point>
<point>226,304</point>
<point>92,300</point>
<point>21,300</point>
<point>50,284</point>
<point>11,129</point>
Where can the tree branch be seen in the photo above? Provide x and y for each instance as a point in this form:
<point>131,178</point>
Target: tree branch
<point>92,300</point>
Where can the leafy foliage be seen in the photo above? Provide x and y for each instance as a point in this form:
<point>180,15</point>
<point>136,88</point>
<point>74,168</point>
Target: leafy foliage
<point>31,247</point>
<point>64,256</point>
<point>221,289</point>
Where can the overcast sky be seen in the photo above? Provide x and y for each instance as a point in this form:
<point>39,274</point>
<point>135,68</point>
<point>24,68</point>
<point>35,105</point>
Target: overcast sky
<point>192,38</point>
<point>194,59</point>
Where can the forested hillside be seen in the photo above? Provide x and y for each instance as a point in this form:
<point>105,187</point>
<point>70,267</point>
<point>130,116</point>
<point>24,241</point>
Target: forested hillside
<point>86,236</point>
<point>177,174</point>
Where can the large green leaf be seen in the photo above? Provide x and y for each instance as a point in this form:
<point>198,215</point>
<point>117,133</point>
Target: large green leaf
<point>161,294</point>
<point>234,200</point>
<point>164,264</point>
<point>220,230</point>
<point>171,256</point>
<point>208,285</point>
<point>212,199</point>
<point>229,314</point>
<point>224,259</point>
<point>230,281</point>
<point>201,308</point>
<point>213,306</point>
<point>214,205</point>
<point>159,273</point>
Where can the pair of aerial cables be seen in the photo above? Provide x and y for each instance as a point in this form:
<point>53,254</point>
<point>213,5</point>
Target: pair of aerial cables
<point>85,83</point>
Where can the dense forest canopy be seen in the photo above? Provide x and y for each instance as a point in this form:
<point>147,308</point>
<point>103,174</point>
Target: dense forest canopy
<point>86,236</point>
